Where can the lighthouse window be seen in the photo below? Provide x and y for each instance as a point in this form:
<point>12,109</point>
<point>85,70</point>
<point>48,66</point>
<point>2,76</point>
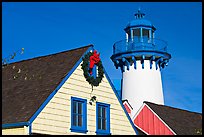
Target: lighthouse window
<point>136,32</point>
<point>145,33</point>
<point>78,115</point>
<point>102,118</point>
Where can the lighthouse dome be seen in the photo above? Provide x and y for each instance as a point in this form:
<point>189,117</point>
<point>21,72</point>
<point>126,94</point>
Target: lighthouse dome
<point>139,22</point>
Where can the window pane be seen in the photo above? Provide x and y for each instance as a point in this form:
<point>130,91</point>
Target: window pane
<point>79,108</point>
<point>74,106</point>
<point>99,111</point>
<point>103,112</point>
<point>99,123</point>
<point>78,114</point>
<point>80,120</point>
<point>75,120</point>
<point>145,32</point>
<point>104,124</point>
<point>136,32</point>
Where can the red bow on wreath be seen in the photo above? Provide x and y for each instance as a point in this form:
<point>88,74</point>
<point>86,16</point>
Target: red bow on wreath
<point>94,59</point>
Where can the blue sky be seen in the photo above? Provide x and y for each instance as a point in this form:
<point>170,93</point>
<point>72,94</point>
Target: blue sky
<point>50,27</point>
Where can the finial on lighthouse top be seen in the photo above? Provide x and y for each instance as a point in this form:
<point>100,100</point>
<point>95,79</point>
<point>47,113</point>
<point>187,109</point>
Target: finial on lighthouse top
<point>139,14</point>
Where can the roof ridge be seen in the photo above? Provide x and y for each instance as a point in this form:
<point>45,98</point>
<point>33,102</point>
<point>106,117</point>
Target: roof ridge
<point>171,107</point>
<point>90,45</point>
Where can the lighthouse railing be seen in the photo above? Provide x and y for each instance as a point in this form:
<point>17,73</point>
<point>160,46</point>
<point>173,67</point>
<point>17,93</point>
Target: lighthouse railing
<point>139,44</point>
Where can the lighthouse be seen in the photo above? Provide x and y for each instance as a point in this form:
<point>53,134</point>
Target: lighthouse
<point>141,57</point>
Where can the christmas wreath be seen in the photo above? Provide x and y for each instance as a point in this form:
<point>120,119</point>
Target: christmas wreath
<point>87,70</point>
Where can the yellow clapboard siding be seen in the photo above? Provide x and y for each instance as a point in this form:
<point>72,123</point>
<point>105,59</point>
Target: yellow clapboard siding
<point>55,117</point>
<point>53,106</point>
<point>67,132</point>
<point>59,105</point>
<point>117,111</point>
<point>78,70</point>
<point>107,97</point>
<point>121,132</point>
<point>88,96</point>
<point>103,88</point>
<point>55,111</point>
<point>100,93</point>
<point>81,84</point>
<point>78,87</point>
<point>50,121</point>
<point>49,127</point>
<point>81,79</point>
<point>92,118</point>
<point>92,128</point>
<point>78,77</point>
<point>82,89</point>
<point>63,94</point>
<point>118,117</point>
<point>14,131</point>
<point>120,127</point>
<point>91,125</point>
<point>47,131</point>
<point>60,100</point>
<point>119,122</point>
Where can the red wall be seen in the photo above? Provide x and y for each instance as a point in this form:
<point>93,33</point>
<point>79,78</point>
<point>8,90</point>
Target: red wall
<point>127,108</point>
<point>150,123</point>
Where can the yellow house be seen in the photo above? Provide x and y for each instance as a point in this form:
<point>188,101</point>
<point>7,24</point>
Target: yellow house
<point>50,95</point>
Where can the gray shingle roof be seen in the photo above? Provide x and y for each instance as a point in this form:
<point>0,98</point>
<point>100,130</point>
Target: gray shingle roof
<point>182,122</point>
<point>27,84</point>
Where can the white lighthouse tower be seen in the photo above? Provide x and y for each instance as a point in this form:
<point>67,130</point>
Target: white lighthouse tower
<point>141,57</point>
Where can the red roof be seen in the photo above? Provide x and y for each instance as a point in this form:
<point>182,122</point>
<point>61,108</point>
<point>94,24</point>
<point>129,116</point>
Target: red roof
<point>160,119</point>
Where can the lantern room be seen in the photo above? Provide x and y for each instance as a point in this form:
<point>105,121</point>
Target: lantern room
<point>140,29</point>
